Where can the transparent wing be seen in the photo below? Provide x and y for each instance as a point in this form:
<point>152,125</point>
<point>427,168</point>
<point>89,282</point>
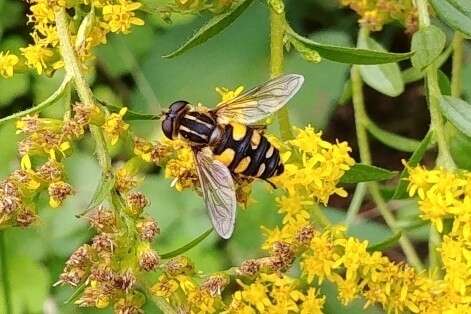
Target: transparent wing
<point>261,101</point>
<point>218,192</point>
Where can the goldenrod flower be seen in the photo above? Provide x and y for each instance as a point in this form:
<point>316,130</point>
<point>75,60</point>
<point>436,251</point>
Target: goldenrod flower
<point>120,17</point>
<point>7,63</point>
<point>182,167</point>
<point>227,94</point>
<point>115,126</point>
<point>37,57</point>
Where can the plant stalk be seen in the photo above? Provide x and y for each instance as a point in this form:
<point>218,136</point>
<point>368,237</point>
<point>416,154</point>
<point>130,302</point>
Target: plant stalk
<point>4,273</point>
<point>277,33</point>
<point>365,156</point>
<point>457,66</point>
<point>74,69</point>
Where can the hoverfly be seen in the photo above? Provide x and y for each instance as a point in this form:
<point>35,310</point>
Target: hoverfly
<point>226,143</point>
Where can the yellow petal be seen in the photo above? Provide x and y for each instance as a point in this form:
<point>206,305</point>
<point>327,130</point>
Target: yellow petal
<point>25,162</point>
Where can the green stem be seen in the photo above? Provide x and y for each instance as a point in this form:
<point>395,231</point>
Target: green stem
<point>46,103</point>
<point>365,156</point>
<point>357,200</point>
<point>457,67</point>
<point>74,69</point>
<point>444,158</point>
<point>277,33</point>
<point>4,273</point>
<point>319,217</point>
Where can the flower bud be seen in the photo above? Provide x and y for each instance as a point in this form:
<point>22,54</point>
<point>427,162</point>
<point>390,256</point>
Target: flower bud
<point>102,220</point>
<point>26,217</point>
<point>180,265</point>
<point>80,258</point>
<point>103,242</point>
<point>137,201</point>
<point>215,284</point>
<point>51,171</point>
<point>125,281</point>
<point>58,192</point>
<point>148,229</point>
<point>249,267</point>
<point>148,258</point>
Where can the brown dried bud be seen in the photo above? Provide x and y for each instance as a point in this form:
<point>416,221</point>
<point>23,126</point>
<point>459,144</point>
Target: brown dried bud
<point>148,229</point>
<point>305,235</point>
<point>26,217</point>
<point>180,265</point>
<point>58,192</point>
<point>73,129</point>
<point>51,171</point>
<point>125,281</point>
<point>103,242</point>
<point>157,153</point>
<point>71,276</point>
<point>137,201</point>
<point>80,258</point>
<point>127,309</point>
<point>249,267</point>
<point>102,220</point>
<point>148,260</point>
<point>284,251</point>
<point>215,284</point>
<point>9,204</point>
<point>102,274</point>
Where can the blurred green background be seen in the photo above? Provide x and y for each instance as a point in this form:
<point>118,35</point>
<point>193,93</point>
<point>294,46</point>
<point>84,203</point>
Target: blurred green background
<point>129,70</point>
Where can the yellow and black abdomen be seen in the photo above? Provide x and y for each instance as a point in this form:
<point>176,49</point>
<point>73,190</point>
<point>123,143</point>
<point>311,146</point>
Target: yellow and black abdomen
<point>245,151</point>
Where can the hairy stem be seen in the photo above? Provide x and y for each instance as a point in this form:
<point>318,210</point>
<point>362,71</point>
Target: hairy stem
<point>365,156</point>
<point>74,69</point>
<point>4,274</point>
<point>457,67</point>
<point>444,158</point>
<point>277,33</point>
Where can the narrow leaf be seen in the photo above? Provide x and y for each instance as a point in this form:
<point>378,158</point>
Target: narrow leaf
<point>386,244</point>
<point>455,13</point>
<point>350,55</point>
<point>130,115</point>
<point>412,74</point>
<point>103,190</point>
<point>212,28</point>
<point>76,293</point>
<point>307,53</point>
<point>385,78</point>
<point>365,173</point>
<point>187,246</point>
<point>458,112</point>
<point>401,189</point>
<point>428,43</point>
<point>392,140</point>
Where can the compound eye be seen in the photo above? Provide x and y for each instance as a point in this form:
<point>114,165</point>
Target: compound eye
<point>177,107</point>
<point>167,127</point>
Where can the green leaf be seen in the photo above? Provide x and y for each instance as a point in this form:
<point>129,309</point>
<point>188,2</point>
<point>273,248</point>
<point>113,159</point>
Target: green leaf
<point>212,28</point>
<point>458,112</point>
<point>187,246</point>
<point>350,55</point>
<point>307,53</point>
<point>390,139</point>
<point>455,13</point>
<point>460,146</point>
<point>346,93</point>
<point>385,78</point>
<point>412,74</point>
<point>444,83</point>
<point>365,173</point>
<point>386,244</point>
<point>401,189</point>
<point>428,43</point>
<point>130,115</point>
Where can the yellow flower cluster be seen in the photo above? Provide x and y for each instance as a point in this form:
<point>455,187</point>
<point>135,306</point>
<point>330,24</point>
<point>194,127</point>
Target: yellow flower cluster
<point>275,293</point>
<point>375,13</point>
<point>42,54</point>
<point>178,287</point>
<point>346,262</point>
<point>447,195</point>
<point>313,167</point>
